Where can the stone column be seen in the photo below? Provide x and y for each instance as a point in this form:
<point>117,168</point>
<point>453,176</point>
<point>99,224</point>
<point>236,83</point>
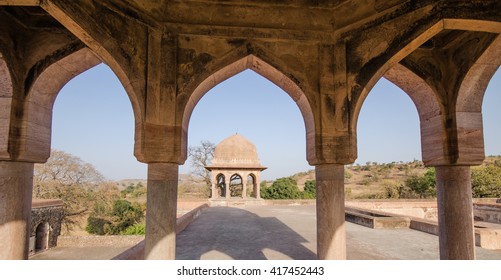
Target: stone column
<point>214,193</point>
<point>331,234</point>
<point>455,213</point>
<point>161,211</point>
<point>244,187</point>
<point>227,187</point>
<point>16,186</point>
<point>257,183</point>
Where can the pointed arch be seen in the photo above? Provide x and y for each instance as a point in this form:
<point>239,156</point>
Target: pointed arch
<point>35,139</point>
<point>5,107</point>
<point>420,39</point>
<point>430,108</point>
<point>472,89</point>
<point>266,70</point>
<point>101,50</point>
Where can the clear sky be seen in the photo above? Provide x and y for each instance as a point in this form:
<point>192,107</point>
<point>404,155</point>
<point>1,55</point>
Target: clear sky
<point>93,120</point>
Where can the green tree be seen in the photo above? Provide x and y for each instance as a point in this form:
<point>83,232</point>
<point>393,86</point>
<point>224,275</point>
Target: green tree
<point>310,189</point>
<point>423,185</point>
<point>283,188</point>
<point>120,219</point>
<point>486,181</point>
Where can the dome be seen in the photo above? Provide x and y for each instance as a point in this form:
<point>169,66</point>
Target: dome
<point>235,152</point>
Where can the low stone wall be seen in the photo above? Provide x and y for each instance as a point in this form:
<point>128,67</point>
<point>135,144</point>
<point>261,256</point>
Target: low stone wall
<point>424,209</point>
<point>51,213</point>
<point>490,213</point>
<point>99,241</point>
<point>136,252</point>
<point>375,219</point>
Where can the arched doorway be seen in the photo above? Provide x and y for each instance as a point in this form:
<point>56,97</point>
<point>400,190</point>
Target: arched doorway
<point>221,186</point>
<point>252,186</point>
<point>236,186</point>
<point>42,237</point>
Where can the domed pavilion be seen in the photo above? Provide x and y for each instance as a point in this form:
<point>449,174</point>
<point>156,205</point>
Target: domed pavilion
<point>236,169</point>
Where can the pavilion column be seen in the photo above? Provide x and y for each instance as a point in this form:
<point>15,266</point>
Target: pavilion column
<point>214,193</point>
<point>16,186</point>
<point>227,194</point>
<point>244,188</point>
<point>455,213</point>
<point>331,234</point>
<point>161,211</point>
<point>257,188</point>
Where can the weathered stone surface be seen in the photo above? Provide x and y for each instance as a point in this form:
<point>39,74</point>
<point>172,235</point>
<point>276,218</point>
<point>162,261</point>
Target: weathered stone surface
<point>16,183</point>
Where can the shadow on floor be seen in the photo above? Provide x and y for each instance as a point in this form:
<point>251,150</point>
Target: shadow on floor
<point>232,233</point>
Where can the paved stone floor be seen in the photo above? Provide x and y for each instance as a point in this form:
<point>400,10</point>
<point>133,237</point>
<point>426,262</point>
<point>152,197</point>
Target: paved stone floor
<point>278,232</point>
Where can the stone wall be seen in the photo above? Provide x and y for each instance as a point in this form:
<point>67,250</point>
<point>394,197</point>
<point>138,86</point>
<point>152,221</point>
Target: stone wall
<point>46,211</point>
<point>490,213</point>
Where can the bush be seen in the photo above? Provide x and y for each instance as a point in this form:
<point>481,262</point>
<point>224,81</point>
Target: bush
<point>283,188</point>
<point>96,225</point>
<point>486,181</point>
<point>136,229</point>
<point>116,220</point>
<point>310,190</point>
<point>423,185</point>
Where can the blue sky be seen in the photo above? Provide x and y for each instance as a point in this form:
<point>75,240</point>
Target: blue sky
<point>93,120</point>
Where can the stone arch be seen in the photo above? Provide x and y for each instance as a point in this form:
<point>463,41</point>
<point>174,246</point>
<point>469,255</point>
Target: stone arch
<point>254,185</point>
<point>430,109</point>
<point>266,70</point>
<point>102,51</point>
<point>37,117</point>
<point>444,24</point>
<point>5,105</point>
<point>468,110</point>
<point>42,234</point>
<point>472,89</point>
<point>221,185</point>
<point>235,188</point>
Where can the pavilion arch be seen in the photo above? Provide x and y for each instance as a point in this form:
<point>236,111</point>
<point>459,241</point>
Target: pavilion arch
<point>37,117</point>
<point>266,70</point>
<point>432,129</point>
<point>5,105</point>
<point>472,90</point>
<point>428,107</point>
<point>444,24</point>
<point>102,51</point>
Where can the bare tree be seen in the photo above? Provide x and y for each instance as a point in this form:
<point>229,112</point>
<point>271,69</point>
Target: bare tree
<point>68,178</point>
<point>201,156</point>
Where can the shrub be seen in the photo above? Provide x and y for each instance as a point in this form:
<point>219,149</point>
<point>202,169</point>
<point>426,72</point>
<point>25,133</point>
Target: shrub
<point>423,185</point>
<point>283,188</point>
<point>310,190</point>
<point>486,181</point>
<point>136,229</point>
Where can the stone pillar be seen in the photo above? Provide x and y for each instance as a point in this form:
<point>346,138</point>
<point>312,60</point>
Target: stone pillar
<point>161,211</point>
<point>16,186</point>
<point>331,234</point>
<point>257,183</point>
<point>244,187</point>
<point>455,213</point>
<point>227,187</point>
<point>214,193</point>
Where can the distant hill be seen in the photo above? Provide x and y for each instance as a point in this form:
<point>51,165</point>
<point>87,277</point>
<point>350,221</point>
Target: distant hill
<point>369,180</point>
